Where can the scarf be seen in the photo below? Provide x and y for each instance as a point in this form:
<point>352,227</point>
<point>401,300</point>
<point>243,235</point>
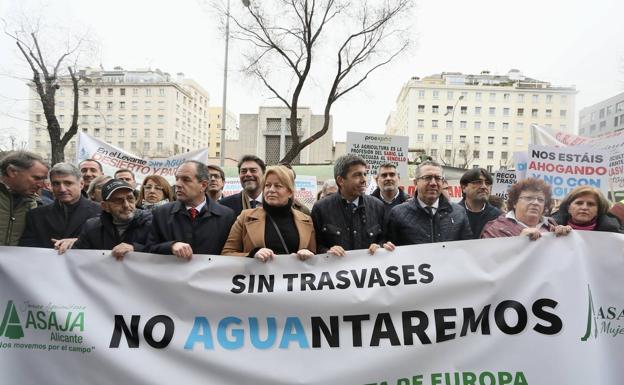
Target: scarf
<point>150,206</point>
<point>587,226</point>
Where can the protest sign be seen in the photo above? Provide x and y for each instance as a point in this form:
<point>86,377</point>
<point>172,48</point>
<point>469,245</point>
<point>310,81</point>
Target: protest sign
<point>379,149</point>
<point>612,143</point>
<point>503,180</point>
<point>402,317</point>
<point>520,163</point>
<point>568,167</point>
<point>114,158</point>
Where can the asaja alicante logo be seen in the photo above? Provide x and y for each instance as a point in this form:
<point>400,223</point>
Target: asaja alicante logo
<point>607,320</point>
<point>11,326</point>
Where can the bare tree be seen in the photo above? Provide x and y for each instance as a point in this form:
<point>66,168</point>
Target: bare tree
<point>284,38</point>
<point>46,75</point>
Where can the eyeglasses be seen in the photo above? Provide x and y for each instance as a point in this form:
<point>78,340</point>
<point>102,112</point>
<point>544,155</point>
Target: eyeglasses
<point>526,199</point>
<point>429,178</point>
<point>215,176</point>
<point>153,187</point>
<point>479,182</point>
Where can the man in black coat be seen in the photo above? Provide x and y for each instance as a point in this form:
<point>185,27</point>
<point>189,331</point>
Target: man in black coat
<point>350,219</point>
<point>121,227</point>
<point>476,187</point>
<point>58,225</point>
<point>388,191</point>
<point>429,217</point>
<point>193,224</point>
<point>250,171</point>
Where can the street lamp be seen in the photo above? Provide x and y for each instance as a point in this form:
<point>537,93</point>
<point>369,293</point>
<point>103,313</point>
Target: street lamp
<point>246,3</point>
<point>452,112</point>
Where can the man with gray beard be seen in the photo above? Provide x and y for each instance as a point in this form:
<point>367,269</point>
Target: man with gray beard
<point>121,227</point>
<point>250,171</point>
<point>388,190</point>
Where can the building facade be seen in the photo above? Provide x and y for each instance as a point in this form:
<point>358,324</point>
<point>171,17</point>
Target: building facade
<point>603,117</point>
<point>267,134</point>
<point>480,120</point>
<point>145,112</point>
<point>214,130</point>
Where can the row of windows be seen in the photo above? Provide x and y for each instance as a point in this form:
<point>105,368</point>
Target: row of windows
<point>449,124</point>
<point>617,121</point>
<point>492,96</point>
<point>435,109</point>
<point>463,154</point>
<point>475,139</point>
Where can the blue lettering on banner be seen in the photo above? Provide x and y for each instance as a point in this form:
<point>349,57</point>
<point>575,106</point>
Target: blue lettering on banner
<point>237,334</point>
<point>297,336</point>
<point>201,333</point>
<point>254,332</point>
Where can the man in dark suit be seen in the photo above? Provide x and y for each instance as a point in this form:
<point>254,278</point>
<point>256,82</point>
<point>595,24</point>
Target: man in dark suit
<point>250,171</point>
<point>194,223</point>
<point>58,224</point>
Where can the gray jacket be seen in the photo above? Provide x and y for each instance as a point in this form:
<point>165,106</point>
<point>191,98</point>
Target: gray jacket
<point>409,223</point>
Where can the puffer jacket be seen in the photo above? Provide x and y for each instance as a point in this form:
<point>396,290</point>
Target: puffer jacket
<point>13,219</point>
<point>409,223</point>
<point>606,222</point>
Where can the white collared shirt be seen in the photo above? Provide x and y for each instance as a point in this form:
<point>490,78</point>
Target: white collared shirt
<point>258,199</point>
<point>512,215</point>
<point>199,207</point>
<point>434,206</point>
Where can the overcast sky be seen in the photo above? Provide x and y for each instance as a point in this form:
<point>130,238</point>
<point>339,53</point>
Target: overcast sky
<point>566,42</point>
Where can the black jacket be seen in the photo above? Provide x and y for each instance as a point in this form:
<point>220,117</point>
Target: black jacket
<point>478,220</point>
<point>99,233</point>
<point>605,222</point>
<point>234,202</point>
<point>57,221</point>
<point>206,235</point>
<point>402,197</point>
<point>335,224</point>
<point>409,223</point>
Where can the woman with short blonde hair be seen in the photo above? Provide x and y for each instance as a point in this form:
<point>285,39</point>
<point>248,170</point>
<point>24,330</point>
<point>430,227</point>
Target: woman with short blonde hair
<point>275,228</point>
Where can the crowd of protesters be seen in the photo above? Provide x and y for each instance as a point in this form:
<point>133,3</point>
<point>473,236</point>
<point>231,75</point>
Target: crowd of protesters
<point>68,206</point>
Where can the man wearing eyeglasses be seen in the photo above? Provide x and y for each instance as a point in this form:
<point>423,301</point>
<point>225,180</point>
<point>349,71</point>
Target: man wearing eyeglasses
<point>121,227</point>
<point>429,217</point>
<point>216,182</point>
<point>476,187</point>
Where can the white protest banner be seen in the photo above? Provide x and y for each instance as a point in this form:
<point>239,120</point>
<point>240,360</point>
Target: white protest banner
<point>568,167</point>
<point>114,158</point>
<point>379,149</point>
<point>503,180</point>
<point>232,186</point>
<point>480,312</point>
<point>305,186</point>
<point>520,163</point>
<point>612,143</point>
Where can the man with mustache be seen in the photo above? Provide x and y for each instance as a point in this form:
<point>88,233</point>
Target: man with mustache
<point>350,219</point>
<point>250,171</point>
<point>388,190</point>
<point>194,223</point>
<point>121,227</point>
<point>476,186</point>
<point>22,174</point>
<point>429,217</point>
<point>58,225</point>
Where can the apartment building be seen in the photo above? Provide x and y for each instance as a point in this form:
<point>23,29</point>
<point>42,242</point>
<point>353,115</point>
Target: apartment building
<point>466,121</point>
<point>146,112</point>
<point>603,117</point>
<point>214,129</point>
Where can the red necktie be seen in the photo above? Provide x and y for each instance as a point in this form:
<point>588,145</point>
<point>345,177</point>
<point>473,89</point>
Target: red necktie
<point>193,213</point>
